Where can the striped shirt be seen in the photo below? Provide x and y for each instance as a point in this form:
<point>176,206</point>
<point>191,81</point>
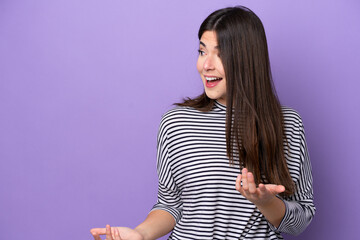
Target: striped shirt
<point>197,183</point>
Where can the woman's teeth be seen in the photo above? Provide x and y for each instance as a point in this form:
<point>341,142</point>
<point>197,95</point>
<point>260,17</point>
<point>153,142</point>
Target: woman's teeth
<point>212,79</point>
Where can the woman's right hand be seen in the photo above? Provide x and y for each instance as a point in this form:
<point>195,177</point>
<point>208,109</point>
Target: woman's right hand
<point>116,233</point>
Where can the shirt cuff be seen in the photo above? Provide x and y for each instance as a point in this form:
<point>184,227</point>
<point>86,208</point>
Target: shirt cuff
<point>282,224</point>
<point>176,213</point>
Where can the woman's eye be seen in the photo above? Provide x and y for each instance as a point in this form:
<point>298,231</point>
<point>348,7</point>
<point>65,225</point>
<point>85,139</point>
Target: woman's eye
<point>201,53</point>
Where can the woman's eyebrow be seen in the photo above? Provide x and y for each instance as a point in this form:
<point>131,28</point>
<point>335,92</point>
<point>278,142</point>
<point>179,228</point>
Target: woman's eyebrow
<point>203,44</point>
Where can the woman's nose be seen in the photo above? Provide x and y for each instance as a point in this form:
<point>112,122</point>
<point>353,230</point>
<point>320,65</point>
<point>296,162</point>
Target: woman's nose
<point>209,64</point>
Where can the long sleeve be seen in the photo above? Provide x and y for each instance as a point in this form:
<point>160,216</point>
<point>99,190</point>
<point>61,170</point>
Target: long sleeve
<point>168,193</point>
<point>300,208</point>
<point>196,181</point>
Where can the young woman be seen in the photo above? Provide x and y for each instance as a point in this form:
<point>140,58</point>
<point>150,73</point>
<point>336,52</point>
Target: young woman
<point>236,126</point>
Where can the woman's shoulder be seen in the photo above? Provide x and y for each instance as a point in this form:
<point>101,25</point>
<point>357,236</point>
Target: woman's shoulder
<point>177,115</point>
<point>293,124</point>
<point>291,116</point>
<point>188,116</point>
<point>179,111</point>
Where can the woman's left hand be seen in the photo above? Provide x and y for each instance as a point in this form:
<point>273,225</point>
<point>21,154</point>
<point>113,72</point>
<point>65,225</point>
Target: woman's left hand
<point>115,233</point>
<point>262,195</point>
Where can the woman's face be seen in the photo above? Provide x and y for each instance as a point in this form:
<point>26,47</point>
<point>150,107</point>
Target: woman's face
<point>211,68</point>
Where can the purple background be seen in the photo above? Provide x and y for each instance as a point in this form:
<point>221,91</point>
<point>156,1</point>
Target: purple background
<point>83,85</point>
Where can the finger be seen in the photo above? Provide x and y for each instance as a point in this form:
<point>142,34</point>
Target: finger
<point>117,234</point>
<point>96,236</point>
<point>275,189</point>
<point>245,185</point>
<point>262,188</point>
<point>280,189</point>
<point>98,231</point>
<point>238,185</point>
<point>108,233</point>
<point>251,183</point>
<point>113,232</point>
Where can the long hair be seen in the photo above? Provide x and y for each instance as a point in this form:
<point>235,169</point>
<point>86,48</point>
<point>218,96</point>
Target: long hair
<point>254,121</point>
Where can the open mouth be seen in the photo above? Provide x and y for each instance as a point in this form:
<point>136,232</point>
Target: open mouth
<point>212,79</point>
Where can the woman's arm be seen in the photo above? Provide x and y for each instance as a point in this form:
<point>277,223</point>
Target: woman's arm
<point>157,224</point>
<point>168,209</point>
<point>294,212</point>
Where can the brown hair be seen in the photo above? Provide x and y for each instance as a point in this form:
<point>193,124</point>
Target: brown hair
<point>254,120</point>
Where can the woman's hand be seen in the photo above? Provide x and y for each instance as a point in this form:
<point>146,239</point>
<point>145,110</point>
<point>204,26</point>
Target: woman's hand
<point>116,233</point>
<point>263,195</point>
